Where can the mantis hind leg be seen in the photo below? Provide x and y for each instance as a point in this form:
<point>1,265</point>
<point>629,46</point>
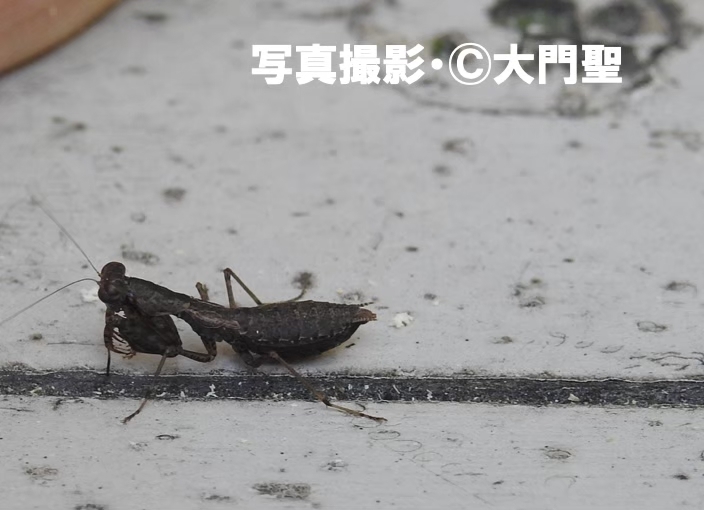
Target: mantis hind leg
<point>319,394</point>
<point>253,362</point>
<point>230,274</point>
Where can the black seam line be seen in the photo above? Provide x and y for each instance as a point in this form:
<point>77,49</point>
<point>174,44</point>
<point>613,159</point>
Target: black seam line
<point>499,390</point>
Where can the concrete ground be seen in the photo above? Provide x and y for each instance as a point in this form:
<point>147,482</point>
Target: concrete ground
<point>296,455</point>
<point>544,239</point>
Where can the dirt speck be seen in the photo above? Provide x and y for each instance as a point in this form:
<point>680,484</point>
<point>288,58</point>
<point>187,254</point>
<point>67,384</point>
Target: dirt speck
<point>411,249</point>
<point>528,295</point>
<point>681,476</point>
<point>134,70</point>
<point>66,128</point>
<point>173,195</point>
<point>303,280</point>
<point>462,146</point>
<point>167,437</point>
<point>690,140</point>
<point>503,340</point>
<point>556,453</point>
<point>336,465</point>
<point>442,170</point>
<point>216,497</point>
<point>153,18</point>
<point>90,506</point>
<point>271,135</point>
<point>283,490</point>
<point>144,257</point>
<point>176,158</point>
<point>42,473</point>
<point>675,286</point>
<point>36,336</point>
<point>535,302</point>
<point>650,327</point>
<point>138,217</point>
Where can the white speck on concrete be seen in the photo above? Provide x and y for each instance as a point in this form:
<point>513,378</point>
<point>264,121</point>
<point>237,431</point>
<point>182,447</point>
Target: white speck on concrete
<point>335,465</point>
<point>211,393</point>
<point>90,295</point>
<point>401,320</point>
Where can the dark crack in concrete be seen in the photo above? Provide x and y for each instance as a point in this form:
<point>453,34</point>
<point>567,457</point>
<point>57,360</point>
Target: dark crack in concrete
<point>499,390</point>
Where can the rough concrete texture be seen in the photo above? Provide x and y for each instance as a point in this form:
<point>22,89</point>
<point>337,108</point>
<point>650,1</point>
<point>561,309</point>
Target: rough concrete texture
<point>543,232</point>
<point>552,244</point>
<point>226,454</point>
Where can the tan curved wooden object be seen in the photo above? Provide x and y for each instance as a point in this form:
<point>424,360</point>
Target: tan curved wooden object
<point>30,28</point>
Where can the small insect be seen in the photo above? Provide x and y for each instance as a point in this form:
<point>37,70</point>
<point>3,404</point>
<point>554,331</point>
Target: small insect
<point>138,319</point>
<point>291,328</point>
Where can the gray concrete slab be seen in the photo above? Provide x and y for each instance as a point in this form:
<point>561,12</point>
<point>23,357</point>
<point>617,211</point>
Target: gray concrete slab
<point>540,232</point>
<point>316,178</point>
<point>231,454</point>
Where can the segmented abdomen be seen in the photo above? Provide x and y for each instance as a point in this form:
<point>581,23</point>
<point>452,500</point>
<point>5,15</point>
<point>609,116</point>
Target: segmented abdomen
<point>298,328</point>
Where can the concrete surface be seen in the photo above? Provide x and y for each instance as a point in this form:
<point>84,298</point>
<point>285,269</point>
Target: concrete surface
<point>548,233</point>
<point>232,455</point>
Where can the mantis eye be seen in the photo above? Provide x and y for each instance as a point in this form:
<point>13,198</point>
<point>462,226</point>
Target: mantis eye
<point>112,292</point>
